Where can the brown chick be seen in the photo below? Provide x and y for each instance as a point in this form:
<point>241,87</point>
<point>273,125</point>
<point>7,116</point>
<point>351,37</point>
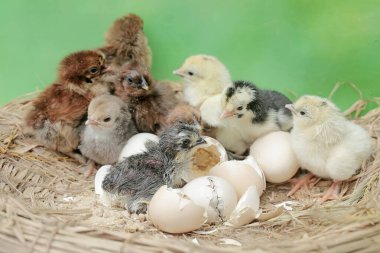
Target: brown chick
<point>57,113</point>
<point>126,42</point>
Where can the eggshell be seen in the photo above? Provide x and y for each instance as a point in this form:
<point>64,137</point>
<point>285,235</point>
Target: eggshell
<point>136,144</point>
<point>247,208</point>
<point>275,156</point>
<point>205,157</point>
<point>215,194</point>
<point>172,211</point>
<point>241,175</point>
<point>99,177</point>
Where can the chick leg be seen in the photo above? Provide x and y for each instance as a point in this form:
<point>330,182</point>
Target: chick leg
<point>91,167</point>
<point>305,180</point>
<point>331,193</point>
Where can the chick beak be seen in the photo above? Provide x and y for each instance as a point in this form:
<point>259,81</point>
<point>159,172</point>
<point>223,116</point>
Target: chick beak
<point>178,72</point>
<point>144,84</point>
<point>200,141</point>
<point>226,114</point>
<point>107,69</point>
<point>291,108</point>
<point>92,122</point>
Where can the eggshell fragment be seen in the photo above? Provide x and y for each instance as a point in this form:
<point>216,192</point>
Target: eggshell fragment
<point>204,157</point>
<point>275,156</point>
<point>136,144</point>
<point>241,175</point>
<point>247,208</point>
<point>99,177</point>
<point>214,194</point>
<point>172,211</point>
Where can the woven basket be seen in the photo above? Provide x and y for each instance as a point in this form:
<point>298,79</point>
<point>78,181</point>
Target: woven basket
<point>47,205</point>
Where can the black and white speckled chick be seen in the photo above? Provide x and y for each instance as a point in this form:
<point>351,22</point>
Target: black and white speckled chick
<point>250,112</point>
<point>108,128</point>
<point>138,177</point>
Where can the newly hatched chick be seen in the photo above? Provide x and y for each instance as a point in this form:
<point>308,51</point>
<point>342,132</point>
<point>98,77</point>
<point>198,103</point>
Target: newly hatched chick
<point>203,76</point>
<point>59,110</point>
<point>108,128</point>
<point>326,143</point>
<point>150,102</point>
<point>247,113</point>
<point>126,42</point>
<point>138,177</point>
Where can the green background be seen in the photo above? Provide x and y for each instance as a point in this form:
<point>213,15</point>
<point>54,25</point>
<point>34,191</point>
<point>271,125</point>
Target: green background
<point>297,47</point>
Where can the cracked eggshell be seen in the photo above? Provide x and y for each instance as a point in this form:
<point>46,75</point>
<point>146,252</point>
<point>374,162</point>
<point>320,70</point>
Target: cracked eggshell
<point>275,156</point>
<point>204,158</point>
<point>99,177</point>
<point>215,194</point>
<point>241,175</point>
<point>136,144</point>
<point>172,211</point>
<point>247,208</point>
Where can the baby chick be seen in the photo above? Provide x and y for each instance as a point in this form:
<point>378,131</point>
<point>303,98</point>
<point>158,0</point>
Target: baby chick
<point>151,102</point>
<point>326,143</point>
<point>138,177</point>
<point>203,77</point>
<point>126,42</point>
<point>108,128</point>
<point>59,110</point>
<point>247,113</point>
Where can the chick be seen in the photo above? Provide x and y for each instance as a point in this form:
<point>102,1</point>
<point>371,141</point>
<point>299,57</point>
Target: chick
<point>139,176</point>
<point>126,42</point>
<point>203,76</point>
<point>57,113</point>
<point>150,102</point>
<point>326,143</point>
<point>247,113</point>
<point>108,128</point>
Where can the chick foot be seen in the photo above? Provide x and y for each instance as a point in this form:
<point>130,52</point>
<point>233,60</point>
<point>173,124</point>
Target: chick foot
<point>331,193</point>
<point>303,181</point>
<point>91,167</point>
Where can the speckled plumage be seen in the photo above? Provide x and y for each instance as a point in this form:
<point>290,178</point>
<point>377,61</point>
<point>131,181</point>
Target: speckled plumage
<point>139,176</point>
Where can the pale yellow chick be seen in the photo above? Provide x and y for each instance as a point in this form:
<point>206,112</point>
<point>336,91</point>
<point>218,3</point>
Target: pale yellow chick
<point>326,143</point>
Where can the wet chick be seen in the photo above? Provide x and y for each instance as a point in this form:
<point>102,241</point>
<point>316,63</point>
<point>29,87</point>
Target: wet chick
<point>150,102</point>
<point>248,113</point>
<point>203,76</point>
<point>326,143</point>
<point>108,128</point>
<point>139,176</point>
<point>126,42</point>
<point>57,113</point>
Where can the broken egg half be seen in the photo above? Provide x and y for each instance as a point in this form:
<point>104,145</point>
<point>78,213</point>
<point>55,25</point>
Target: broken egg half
<point>214,194</point>
<point>136,144</point>
<point>275,156</point>
<point>241,175</point>
<point>205,157</point>
<point>172,211</point>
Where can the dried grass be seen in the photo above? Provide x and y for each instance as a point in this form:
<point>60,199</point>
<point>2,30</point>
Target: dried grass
<point>47,205</point>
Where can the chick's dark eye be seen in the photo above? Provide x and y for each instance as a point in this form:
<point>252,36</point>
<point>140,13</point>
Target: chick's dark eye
<point>93,70</point>
<point>302,113</point>
<point>186,143</point>
<point>107,119</point>
<point>129,80</point>
<point>240,108</point>
<point>190,73</point>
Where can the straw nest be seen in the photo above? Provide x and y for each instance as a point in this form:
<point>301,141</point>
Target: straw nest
<point>47,205</point>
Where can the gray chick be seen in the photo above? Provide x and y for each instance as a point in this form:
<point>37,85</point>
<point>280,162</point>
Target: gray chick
<point>250,112</point>
<point>108,128</point>
<point>138,177</point>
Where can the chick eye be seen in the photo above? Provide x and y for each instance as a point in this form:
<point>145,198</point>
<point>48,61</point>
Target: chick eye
<point>240,108</point>
<point>107,119</point>
<point>129,80</point>
<point>93,70</point>
<point>186,142</point>
<point>302,113</point>
<point>190,73</point>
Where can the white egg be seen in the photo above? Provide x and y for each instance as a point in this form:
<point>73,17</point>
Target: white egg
<point>247,208</point>
<point>205,157</point>
<point>215,194</point>
<point>136,144</point>
<point>241,175</point>
<point>275,156</point>
<point>172,211</point>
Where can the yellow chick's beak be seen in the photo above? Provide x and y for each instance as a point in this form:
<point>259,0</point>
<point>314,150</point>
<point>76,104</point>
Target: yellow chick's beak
<point>92,122</point>
<point>144,84</point>
<point>179,72</point>
<point>291,108</point>
<point>227,114</point>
